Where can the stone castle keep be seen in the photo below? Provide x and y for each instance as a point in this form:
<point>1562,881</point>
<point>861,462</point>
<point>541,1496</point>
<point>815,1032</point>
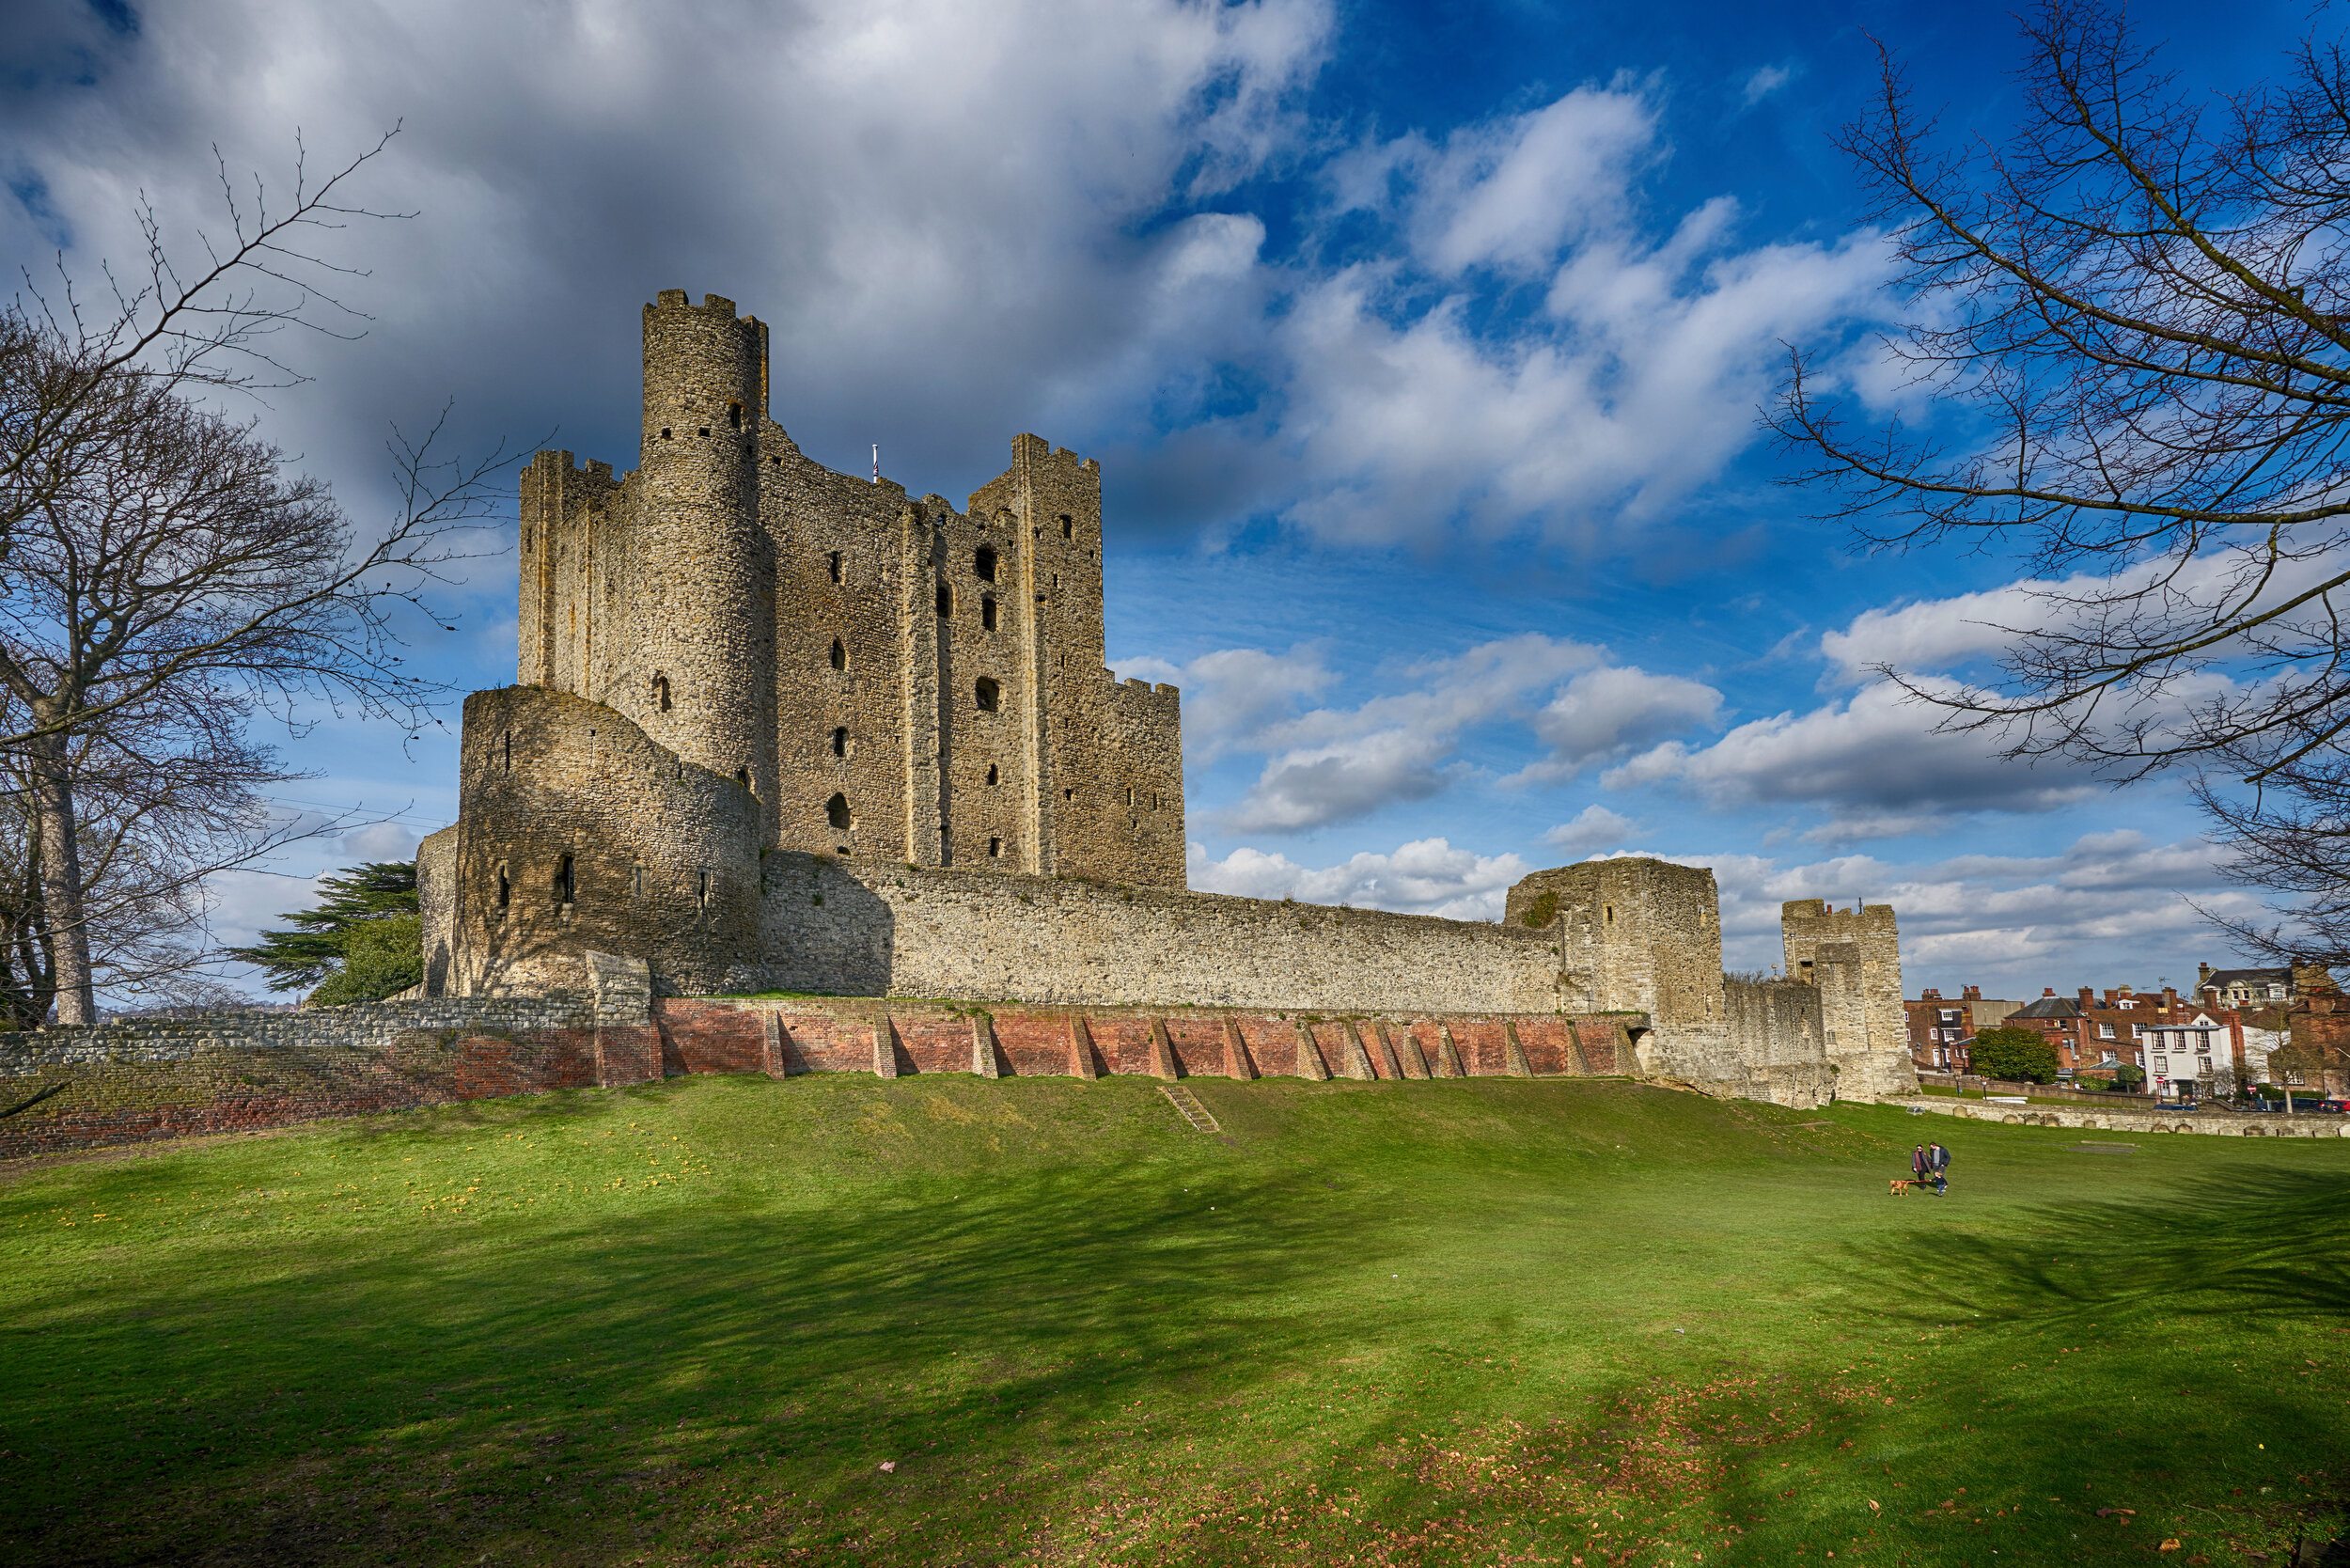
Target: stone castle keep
<point>781,729</point>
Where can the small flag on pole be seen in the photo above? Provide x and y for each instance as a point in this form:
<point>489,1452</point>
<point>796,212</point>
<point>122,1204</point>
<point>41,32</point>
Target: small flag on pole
<point>877,462</point>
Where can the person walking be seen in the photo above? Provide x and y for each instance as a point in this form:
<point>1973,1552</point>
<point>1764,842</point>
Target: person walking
<point>1938,1161</point>
<point>1921,1167</point>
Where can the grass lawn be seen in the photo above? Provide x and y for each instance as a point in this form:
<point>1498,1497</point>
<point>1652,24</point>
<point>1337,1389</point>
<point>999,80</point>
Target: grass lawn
<point>1476,1321</point>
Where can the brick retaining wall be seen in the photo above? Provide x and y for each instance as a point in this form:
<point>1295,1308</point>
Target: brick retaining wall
<point>144,1079</point>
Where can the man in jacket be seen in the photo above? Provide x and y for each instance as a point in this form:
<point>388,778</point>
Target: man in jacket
<point>1921,1168</point>
<point>1938,1161</point>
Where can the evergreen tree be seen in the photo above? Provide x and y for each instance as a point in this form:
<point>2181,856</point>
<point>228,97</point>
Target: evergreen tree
<point>362,941</point>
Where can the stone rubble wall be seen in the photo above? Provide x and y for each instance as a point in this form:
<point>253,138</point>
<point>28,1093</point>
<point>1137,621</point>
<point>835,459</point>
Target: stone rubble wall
<point>2220,1124</point>
<point>840,927</point>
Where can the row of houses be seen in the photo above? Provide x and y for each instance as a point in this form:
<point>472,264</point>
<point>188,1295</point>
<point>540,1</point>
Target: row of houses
<point>2192,1045</point>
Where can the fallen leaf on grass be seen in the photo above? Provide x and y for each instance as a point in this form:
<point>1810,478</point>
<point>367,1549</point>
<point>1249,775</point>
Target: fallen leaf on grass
<point>2170,1545</point>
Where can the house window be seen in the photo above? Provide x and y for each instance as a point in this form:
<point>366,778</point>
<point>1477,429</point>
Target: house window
<point>987,693</point>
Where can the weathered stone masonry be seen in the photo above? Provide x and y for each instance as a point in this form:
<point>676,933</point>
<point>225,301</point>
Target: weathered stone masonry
<point>780,729</point>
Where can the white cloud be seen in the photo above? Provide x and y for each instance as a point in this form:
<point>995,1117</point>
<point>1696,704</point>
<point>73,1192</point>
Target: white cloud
<point>1591,830</point>
<point>1328,764</point>
<point>1232,697</point>
<point>1603,713</point>
<point>1765,80</point>
<point>380,841</point>
<point>1425,877</point>
<point>1875,754</point>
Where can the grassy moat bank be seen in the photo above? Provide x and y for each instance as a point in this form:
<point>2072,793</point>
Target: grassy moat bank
<point>1416,1323</point>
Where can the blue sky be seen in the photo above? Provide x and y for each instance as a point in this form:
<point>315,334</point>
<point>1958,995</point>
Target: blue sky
<point>1422,345</point>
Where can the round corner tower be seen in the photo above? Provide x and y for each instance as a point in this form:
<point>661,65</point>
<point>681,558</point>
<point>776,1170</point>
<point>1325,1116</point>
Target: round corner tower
<point>703,679</point>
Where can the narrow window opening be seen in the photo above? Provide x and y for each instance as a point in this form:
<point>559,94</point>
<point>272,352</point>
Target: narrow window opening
<point>701,893</point>
<point>987,615</point>
<point>840,741</point>
<point>987,693</point>
<point>636,883</point>
<point>704,430</point>
<point>505,889</point>
<point>833,560</point>
<point>991,772</point>
<point>1068,528</point>
<point>661,693</point>
<point>1130,795</point>
<point>734,415</point>
<point>994,848</point>
<point>509,751</point>
<point>840,655</point>
<point>665,435</point>
<point>1611,914</point>
<point>566,883</point>
<point>945,600</point>
<point>836,812</point>
<point>1069,794</point>
<point>984,563</point>
<point>1154,800</point>
<point>776,461</point>
<point>946,846</point>
<point>742,777</point>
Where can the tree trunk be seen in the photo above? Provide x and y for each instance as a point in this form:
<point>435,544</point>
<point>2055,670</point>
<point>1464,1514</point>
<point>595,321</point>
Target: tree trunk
<point>61,877</point>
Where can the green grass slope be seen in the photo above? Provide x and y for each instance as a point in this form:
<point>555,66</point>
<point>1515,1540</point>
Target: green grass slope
<point>1561,1322</point>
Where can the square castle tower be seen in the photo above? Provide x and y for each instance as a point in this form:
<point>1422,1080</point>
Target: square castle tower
<point>889,679</point>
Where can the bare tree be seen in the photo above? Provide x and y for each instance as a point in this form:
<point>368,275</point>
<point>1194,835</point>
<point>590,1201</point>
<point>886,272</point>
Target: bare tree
<point>162,800</point>
<point>164,575</point>
<point>2134,316</point>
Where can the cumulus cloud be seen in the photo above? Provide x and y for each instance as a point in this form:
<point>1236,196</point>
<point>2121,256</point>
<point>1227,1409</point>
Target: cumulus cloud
<point>1425,877</point>
<point>1591,830</point>
<point>1234,695</point>
<point>1603,713</point>
<point>1329,764</point>
<point>1875,754</point>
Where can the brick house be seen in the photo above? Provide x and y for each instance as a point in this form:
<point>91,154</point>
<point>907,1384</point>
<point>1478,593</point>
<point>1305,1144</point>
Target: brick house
<point>1939,1026</point>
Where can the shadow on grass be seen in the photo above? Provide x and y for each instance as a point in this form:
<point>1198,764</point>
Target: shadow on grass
<point>413,1392</point>
<point>2224,1242</point>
